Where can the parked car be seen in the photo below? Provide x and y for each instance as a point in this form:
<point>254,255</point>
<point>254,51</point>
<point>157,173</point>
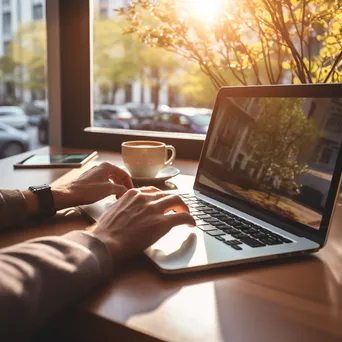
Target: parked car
<point>12,141</point>
<point>13,116</point>
<point>178,120</point>
<point>35,110</point>
<point>140,113</point>
<point>104,118</point>
<point>192,110</point>
<point>118,112</point>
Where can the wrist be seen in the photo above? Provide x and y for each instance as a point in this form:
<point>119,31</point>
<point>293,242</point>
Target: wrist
<point>112,245</point>
<point>32,203</point>
<point>62,198</point>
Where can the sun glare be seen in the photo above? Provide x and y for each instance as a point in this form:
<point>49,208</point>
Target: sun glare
<point>203,10</point>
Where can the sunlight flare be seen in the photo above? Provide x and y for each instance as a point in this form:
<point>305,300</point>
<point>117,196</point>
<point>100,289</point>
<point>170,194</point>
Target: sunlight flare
<point>206,11</point>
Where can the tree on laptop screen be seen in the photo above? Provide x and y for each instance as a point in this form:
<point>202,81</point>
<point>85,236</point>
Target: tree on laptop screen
<point>276,153</point>
<point>280,136</point>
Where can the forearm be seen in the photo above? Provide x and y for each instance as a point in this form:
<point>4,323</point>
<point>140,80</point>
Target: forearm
<point>16,206</point>
<point>41,276</point>
<point>95,184</point>
<point>12,208</point>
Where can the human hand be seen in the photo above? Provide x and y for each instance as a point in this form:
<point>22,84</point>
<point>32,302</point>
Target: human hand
<point>93,185</point>
<point>138,220</point>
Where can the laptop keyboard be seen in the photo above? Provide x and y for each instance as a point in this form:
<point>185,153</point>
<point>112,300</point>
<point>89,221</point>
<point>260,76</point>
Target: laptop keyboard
<point>232,230</point>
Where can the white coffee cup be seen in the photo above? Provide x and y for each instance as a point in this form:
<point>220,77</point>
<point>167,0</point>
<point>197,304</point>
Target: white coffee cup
<point>146,158</point>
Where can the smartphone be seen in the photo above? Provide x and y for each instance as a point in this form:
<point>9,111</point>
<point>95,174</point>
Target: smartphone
<point>67,160</point>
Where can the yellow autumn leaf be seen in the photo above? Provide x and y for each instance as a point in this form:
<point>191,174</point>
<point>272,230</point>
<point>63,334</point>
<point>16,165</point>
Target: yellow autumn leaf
<point>314,67</point>
<point>286,65</point>
<point>296,80</point>
<point>306,62</point>
<point>323,52</point>
<point>330,40</point>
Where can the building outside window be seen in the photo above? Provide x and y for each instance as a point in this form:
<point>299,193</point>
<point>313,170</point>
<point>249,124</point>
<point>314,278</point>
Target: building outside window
<point>37,12</point>
<point>7,23</point>
<point>23,70</point>
<point>326,155</point>
<point>334,123</point>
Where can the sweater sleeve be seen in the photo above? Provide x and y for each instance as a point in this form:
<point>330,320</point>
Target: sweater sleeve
<point>13,208</point>
<point>41,276</point>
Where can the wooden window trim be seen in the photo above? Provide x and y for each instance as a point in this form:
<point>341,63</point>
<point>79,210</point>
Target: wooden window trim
<point>74,28</point>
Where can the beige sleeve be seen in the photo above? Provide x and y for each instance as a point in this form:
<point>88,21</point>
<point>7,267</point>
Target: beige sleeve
<point>40,277</point>
<point>12,208</point>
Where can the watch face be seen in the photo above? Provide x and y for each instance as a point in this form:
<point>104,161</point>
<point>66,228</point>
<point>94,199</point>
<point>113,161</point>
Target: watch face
<point>39,187</point>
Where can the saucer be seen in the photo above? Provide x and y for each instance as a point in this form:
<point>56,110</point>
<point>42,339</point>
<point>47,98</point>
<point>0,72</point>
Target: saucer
<point>163,175</point>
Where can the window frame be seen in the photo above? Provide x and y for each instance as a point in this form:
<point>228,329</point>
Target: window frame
<point>75,20</point>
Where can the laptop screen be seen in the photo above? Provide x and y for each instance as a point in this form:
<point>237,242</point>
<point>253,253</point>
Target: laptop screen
<point>274,153</point>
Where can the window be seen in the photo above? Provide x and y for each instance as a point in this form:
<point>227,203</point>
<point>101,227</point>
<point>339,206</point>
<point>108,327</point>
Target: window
<point>184,120</point>
<point>220,152</point>
<point>7,23</point>
<point>164,117</point>
<point>7,45</point>
<point>37,12</point>
<point>77,70</point>
<point>23,84</point>
<point>334,123</point>
<point>201,120</point>
<point>130,74</point>
<point>326,155</point>
<point>103,9</point>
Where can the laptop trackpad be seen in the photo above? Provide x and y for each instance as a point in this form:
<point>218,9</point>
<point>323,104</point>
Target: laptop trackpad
<point>182,247</point>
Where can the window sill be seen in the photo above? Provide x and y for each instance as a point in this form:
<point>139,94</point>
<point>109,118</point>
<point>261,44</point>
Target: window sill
<point>188,146</point>
<point>149,134</point>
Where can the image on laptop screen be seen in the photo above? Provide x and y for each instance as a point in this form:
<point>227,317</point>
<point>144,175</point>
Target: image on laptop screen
<point>275,153</point>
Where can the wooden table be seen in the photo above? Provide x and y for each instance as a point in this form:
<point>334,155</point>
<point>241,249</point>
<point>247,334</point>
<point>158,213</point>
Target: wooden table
<point>294,300</point>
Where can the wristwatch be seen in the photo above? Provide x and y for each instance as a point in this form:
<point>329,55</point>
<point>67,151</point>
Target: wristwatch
<point>45,199</point>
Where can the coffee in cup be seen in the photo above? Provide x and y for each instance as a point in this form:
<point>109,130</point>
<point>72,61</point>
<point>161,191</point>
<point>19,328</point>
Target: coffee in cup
<point>146,158</point>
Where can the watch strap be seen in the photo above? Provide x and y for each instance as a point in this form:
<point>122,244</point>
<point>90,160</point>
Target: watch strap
<point>45,199</point>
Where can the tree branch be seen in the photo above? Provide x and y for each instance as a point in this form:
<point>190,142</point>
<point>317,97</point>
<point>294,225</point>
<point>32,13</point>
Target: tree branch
<point>333,67</point>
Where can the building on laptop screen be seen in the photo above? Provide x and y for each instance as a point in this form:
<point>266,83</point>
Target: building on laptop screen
<point>277,153</point>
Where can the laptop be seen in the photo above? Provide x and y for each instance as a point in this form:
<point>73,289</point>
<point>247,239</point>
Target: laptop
<point>267,180</point>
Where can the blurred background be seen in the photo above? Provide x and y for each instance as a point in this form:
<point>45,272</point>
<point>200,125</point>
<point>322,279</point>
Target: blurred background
<point>158,64</point>
<point>135,87</point>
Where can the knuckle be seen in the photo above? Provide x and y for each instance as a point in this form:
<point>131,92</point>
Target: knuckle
<point>184,216</point>
<point>133,192</point>
<point>146,188</point>
<point>188,216</point>
<point>176,199</point>
<point>152,208</point>
<point>106,165</point>
<point>141,197</point>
